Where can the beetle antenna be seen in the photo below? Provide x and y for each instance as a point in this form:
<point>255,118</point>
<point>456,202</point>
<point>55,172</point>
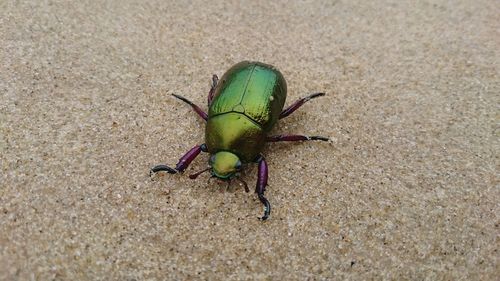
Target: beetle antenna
<point>244,183</point>
<point>195,175</point>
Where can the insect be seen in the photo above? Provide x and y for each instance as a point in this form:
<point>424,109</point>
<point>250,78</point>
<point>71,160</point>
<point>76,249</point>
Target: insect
<point>243,106</point>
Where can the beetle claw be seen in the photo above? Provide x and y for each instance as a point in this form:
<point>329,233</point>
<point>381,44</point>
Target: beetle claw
<point>267,207</point>
<point>162,168</point>
<point>244,184</point>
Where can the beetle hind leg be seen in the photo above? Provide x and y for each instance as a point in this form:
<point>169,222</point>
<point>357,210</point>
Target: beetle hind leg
<point>289,110</point>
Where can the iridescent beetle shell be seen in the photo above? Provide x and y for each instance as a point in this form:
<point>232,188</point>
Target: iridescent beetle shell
<point>247,103</point>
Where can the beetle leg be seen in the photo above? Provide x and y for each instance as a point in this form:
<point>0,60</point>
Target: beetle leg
<point>295,138</point>
<point>183,163</point>
<point>162,168</point>
<point>261,186</point>
<point>194,106</point>
<point>215,80</point>
<point>289,110</point>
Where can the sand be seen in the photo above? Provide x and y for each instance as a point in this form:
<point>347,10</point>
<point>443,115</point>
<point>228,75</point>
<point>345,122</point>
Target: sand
<point>407,189</point>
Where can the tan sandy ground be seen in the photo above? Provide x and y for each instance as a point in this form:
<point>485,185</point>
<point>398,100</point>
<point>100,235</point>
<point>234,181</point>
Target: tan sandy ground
<point>407,189</point>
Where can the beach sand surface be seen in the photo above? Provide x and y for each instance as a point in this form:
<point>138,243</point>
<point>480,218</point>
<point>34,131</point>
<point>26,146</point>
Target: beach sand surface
<point>407,188</point>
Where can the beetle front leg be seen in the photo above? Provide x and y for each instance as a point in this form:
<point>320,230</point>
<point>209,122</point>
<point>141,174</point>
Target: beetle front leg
<point>183,163</point>
<point>289,110</point>
<point>215,80</point>
<point>261,186</point>
<point>196,108</point>
<point>295,138</point>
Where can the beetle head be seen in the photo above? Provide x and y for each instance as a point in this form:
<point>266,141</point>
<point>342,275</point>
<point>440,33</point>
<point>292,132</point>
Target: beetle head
<point>224,165</point>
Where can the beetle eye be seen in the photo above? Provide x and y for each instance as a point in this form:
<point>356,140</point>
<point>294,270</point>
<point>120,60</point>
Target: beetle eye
<point>238,165</point>
<point>211,160</point>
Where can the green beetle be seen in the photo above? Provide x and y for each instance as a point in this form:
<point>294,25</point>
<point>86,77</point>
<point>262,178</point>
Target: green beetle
<point>243,105</point>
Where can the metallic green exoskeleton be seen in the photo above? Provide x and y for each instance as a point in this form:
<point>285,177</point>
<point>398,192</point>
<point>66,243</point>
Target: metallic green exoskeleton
<point>247,103</point>
<point>244,105</point>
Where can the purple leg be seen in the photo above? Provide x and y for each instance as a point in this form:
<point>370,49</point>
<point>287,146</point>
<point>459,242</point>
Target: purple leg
<point>211,94</point>
<point>289,110</point>
<point>294,138</point>
<point>183,163</point>
<point>261,186</point>
<point>194,106</point>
